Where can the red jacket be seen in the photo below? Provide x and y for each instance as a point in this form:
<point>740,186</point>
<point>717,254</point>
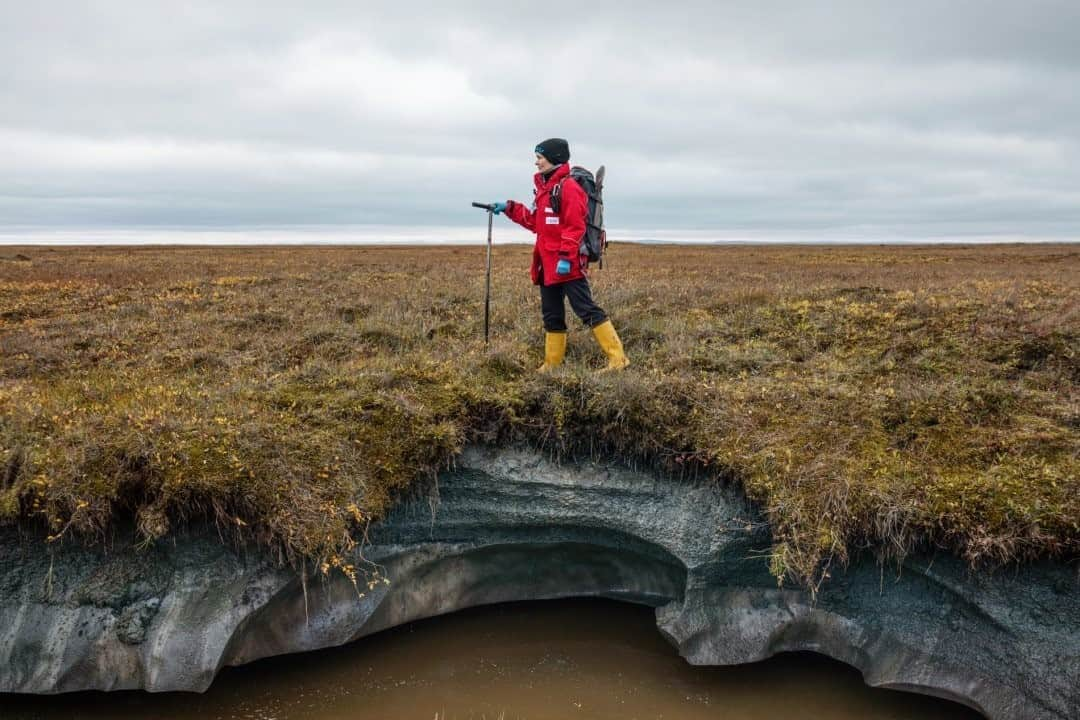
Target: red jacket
<point>558,237</point>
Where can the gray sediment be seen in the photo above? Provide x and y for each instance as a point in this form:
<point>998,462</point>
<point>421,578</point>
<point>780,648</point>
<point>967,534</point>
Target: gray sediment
<point>508,525</point>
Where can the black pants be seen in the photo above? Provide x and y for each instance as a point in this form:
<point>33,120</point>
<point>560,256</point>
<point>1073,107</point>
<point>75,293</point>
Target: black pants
<point>551,304</point>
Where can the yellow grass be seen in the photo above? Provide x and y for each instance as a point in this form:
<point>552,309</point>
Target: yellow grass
<point>863,396</point>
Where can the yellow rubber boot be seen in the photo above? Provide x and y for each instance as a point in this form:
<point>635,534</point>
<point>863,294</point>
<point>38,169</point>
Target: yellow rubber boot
<point>611,345</point>
<point>554,350</point>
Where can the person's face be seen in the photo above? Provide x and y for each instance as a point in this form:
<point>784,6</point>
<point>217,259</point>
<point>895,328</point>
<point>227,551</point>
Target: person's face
<point>542,163</point>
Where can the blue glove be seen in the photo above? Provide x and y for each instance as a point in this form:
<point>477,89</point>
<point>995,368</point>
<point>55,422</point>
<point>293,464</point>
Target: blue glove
<point>498,207</point>
<point>563,268</point>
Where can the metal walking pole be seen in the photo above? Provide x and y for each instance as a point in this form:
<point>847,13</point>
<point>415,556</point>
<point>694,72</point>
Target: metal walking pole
<point>487,285</point>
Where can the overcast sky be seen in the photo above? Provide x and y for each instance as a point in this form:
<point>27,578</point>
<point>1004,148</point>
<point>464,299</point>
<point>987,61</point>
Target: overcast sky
<point>944,118</point>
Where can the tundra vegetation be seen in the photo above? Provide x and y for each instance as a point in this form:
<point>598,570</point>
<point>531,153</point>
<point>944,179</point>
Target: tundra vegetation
<point>881,398</point>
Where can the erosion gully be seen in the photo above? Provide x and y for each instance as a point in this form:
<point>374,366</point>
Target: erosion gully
<point>577,658</point>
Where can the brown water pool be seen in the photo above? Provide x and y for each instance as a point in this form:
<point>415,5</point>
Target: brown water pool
<point>554,660</point>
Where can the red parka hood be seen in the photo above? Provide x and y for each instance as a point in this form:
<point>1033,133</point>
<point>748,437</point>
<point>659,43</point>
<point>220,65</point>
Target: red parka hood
<point>558,174</point>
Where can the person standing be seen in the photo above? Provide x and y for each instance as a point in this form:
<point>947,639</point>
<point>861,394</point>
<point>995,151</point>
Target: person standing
<point>558,266</point>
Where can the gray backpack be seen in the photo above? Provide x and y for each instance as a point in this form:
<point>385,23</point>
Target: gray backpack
<point>594,242</point>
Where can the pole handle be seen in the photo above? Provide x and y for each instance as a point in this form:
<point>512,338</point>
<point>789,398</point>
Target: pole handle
<point>484,206</point>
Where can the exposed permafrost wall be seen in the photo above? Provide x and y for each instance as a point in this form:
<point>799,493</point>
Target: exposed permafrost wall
<point>510,525</point>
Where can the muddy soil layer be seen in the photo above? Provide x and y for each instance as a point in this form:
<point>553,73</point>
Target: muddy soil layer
<point>509,525</point>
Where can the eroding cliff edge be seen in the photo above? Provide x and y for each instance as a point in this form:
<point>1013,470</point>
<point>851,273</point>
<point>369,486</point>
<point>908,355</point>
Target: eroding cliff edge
<point>510,525</point>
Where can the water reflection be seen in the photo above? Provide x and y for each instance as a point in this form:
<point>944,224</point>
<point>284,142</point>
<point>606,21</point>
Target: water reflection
<point>552,660</point>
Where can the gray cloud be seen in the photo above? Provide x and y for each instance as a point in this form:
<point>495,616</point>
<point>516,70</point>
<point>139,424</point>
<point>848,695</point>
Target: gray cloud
<point>879,119</point>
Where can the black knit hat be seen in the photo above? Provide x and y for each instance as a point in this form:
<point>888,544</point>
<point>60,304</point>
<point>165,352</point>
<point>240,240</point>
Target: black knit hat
<point>556,150</point>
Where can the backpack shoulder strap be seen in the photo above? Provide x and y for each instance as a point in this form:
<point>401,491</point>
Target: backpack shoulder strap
<point>556,196</point>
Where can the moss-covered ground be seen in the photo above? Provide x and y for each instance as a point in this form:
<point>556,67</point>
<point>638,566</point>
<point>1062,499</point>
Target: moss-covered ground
<point>882,397</point>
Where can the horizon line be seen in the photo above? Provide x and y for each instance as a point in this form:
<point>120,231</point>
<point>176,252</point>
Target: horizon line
<point>415,235</point>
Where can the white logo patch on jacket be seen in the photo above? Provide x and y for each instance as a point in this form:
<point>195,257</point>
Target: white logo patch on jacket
<point>554,220</point>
